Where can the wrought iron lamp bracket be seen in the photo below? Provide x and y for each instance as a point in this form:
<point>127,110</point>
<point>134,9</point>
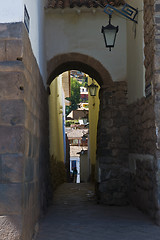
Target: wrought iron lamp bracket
<point>127,11</point>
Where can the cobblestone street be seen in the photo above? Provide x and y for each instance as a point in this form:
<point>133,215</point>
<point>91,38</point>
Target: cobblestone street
<point>75,215</point>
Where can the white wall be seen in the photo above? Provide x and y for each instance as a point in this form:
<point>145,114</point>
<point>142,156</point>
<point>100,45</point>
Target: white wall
<point>69,31</point>
<point>135,55</point>
<point>13,11</point>
<point>36,12</point>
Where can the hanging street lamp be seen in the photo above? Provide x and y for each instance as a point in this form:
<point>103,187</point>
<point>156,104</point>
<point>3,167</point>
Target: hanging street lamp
<point>93,89</point>
<point>109,33</point>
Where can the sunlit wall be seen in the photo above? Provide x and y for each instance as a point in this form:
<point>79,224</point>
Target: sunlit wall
<point>93,121</point>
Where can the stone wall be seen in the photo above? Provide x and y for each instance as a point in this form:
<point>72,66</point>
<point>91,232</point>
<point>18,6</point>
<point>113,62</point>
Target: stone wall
<point>112,145</point>
<point>58,172</point>
<point>142,126</point>
<point>144,122</point>
<point>156,90</point>
<point>24,135</point>
<point>142,148</point>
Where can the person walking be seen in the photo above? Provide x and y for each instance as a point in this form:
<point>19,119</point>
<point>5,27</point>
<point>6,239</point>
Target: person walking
<point>75,175</point>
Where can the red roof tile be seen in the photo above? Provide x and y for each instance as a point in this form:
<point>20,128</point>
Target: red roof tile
<point>80,3</point>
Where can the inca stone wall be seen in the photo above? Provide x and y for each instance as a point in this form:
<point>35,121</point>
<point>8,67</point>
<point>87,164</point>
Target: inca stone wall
<point>23,136</point>
<point>141,158</point>
<point>112,145</point>
<point>58,172</point>
<point>142,126</point>
<point>144,122</point>
<point>156,89</point>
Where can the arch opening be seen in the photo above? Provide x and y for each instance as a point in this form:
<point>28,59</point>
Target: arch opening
<point>66,62</point>
<point>82,122</point>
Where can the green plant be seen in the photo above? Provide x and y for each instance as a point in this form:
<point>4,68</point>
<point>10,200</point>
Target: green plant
<point>75,96</point>
<point>69,122</point>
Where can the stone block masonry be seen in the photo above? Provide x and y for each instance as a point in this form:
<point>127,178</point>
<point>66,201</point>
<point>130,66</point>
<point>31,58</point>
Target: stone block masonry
<point>24,157</point>
<point>144,121</point>
<point>112,145</point>
<point>142,158</point>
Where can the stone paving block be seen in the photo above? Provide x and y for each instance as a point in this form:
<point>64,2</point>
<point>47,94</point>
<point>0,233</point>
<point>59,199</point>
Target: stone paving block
<point>12,168</point>
<point>75,215</point>
<point>10,227</point>
<point>10,199</point>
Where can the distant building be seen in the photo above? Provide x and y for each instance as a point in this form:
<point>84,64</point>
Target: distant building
<point>75,137</point>
<point>80,113</point>
<point>83,93</point>
<point>78,140</point>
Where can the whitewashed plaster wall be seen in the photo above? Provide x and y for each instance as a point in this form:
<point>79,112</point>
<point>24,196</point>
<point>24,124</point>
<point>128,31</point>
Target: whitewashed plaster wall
<point>36,12</point>
<point>79,30</point>
<point>13,11</point>
<point>135,55</point>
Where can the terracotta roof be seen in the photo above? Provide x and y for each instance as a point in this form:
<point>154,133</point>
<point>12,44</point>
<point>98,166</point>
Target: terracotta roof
<point>82,3</point>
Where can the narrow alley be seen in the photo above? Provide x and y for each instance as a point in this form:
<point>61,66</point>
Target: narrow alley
<point>76,215</point>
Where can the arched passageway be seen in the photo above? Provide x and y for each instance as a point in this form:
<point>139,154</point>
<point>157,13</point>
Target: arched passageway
<point>24,126</point>
<point>112,175</point>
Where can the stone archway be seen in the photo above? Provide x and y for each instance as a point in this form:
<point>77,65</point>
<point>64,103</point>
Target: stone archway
<point>85,63</point>
<point>112,141</point>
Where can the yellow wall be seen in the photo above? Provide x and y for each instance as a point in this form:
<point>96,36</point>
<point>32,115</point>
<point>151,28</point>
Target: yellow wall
<point>55,119</point>
<point>93,121</point>
<point>66,86</point>
<point>135,54</point>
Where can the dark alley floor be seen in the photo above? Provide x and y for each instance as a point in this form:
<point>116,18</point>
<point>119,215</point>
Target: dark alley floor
<point>75,215</point>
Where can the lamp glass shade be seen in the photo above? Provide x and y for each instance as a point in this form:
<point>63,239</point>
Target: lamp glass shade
<point>109,33</point>
<point>93,89</point>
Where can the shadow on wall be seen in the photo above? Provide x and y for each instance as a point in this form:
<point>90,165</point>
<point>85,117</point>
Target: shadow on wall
<point>57,172</point>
